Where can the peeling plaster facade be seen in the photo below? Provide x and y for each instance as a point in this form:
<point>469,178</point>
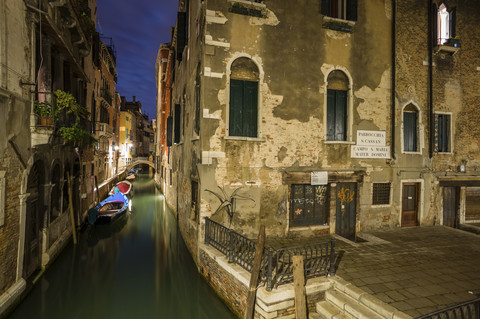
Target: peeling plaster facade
<point>297,57</point>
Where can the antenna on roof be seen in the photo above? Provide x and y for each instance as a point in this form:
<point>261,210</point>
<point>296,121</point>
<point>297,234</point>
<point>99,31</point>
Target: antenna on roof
<point>99,26</point>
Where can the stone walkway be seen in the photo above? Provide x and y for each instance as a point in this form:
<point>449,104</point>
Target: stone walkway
<point>417,270</point>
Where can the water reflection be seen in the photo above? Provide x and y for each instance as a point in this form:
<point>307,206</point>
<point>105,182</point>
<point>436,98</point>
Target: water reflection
<point>137,267</point>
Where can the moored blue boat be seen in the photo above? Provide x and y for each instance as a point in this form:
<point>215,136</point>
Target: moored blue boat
<point>111,208</point>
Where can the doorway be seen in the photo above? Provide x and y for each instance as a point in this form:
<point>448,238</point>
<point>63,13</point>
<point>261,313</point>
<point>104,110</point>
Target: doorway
<point>410,204</point>
<point>346,213</point>
<point>450,206</point>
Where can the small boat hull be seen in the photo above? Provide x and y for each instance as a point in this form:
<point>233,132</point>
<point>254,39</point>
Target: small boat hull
<point>109,209</point>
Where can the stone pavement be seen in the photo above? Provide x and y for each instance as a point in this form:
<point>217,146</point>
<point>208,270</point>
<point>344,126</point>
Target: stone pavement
<point>417,270</point>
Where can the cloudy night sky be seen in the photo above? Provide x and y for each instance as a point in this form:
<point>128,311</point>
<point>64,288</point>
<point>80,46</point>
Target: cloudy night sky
<point>137,29</point>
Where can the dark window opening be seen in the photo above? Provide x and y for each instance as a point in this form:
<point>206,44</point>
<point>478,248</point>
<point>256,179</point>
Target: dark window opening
<point>340,9</point>
<point>442,133</point>
<point>381,194</point>
<point>309,205</point>
<point>410,118</point>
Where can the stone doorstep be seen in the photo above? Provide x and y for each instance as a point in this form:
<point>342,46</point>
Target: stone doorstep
<point>355,302</point>
<point>12,295</point>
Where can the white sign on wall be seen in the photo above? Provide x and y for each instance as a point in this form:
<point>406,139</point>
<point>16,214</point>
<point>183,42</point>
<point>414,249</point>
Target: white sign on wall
<point>370,144</point>
<point>319,178</point>
<point>359,151</point>
<point>371,138</point>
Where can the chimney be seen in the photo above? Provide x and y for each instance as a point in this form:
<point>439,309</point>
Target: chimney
<point>134,98</point>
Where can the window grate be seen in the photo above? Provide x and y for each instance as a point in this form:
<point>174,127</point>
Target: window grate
<point>381,194</point>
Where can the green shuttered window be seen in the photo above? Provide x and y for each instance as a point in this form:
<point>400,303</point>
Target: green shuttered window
<point>410,131</point>
<point>336,115</point>
<point>243,116</point>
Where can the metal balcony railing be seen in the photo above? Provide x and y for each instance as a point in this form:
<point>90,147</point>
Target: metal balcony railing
<point>277,264</point>
<point>465,310</point>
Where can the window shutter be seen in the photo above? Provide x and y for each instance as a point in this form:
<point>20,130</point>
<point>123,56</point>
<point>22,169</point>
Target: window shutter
<point>330,115</point>
<point>236,112</point>
<point>176,135</point>
<point>352,10</point>
<point>434,24</point>
<point>340,115</point>
<point>410,131</point>
<point>436,145</point>
<point>181,34</point>
<point>453,22</point>
<point>169,130</point>
<point>444,128</point>
<point>325,10</point>
<point>250,101</point>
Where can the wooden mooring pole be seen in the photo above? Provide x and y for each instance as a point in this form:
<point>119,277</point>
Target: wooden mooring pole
<point>299,283</point>
<point>70,206</point>
<point>257,263</point>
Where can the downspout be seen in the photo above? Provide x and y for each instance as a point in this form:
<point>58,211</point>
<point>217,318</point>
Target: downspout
<point>393,74</point>
<point>430,79</point>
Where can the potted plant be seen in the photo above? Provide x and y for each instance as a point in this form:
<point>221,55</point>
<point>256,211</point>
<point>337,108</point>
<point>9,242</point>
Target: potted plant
<point>46,112</point>
<point>66,101</point>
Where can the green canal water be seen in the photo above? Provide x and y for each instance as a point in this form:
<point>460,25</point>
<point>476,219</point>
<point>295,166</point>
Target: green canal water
<point>138,267</point>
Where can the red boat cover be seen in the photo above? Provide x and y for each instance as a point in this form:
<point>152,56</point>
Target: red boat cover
<point>124,187</point>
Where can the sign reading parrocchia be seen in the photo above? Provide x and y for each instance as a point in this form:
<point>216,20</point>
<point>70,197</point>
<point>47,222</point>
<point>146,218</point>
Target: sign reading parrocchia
<point>370,144</point>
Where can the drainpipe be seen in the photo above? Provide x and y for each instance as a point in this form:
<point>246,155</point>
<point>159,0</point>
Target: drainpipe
<point>393,73</point>
<point>430,80</point>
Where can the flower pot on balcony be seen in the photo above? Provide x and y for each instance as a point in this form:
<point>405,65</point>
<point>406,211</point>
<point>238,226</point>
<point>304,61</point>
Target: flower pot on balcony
<point>46,121</point>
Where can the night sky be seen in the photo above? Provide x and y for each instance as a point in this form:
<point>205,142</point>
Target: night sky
<point>137,28</point>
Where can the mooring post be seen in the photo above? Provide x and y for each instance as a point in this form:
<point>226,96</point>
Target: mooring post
<point>299,285</point>
<point>332,257</point>
<point>257,263</point>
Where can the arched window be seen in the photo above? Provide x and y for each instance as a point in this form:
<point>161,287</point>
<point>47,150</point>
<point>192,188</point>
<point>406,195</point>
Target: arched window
<point>337,97</point>
<point>410,128</point>
<point>243,115</point>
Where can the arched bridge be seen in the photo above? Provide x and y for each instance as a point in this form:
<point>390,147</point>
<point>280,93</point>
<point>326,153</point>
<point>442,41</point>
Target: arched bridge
<point>140,161</point>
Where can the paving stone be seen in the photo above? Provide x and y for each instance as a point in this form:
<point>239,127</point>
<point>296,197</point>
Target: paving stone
<point>420,302</point>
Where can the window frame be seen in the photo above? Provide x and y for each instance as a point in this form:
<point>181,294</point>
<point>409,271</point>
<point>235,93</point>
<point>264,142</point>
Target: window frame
<point>309,222</point>
<point>449,116</point>
<point>261,74</point>
<point>419,133</point>
<point>389,194</point>
<point>350,9</point>
<point>349,108</point>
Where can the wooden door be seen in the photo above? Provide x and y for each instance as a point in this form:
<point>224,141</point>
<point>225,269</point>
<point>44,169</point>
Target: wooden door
<point>409,204</point>
<point>450,206</point>
<point>346,214</point>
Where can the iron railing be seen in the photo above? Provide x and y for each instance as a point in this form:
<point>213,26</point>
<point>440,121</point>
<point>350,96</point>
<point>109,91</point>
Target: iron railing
<point>465,310</point>
<point>277,264</point>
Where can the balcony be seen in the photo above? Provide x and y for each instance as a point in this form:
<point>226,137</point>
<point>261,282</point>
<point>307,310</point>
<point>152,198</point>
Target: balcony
<point>43,119</point>
<point>105,94</point>
<point>450,45</point>
<point>103,129</point>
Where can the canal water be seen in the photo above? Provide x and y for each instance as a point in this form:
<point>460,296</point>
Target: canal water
<point>138,267</point>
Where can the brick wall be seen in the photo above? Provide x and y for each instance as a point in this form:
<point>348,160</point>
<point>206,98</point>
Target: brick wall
<point>9,230</point>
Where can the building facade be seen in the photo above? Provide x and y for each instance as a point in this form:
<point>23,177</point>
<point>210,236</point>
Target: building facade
<point>364,122</point>
<point>45,126</point>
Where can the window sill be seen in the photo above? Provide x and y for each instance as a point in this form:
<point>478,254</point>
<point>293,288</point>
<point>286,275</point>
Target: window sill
<point>248,8</point>
<point>411,153</point>
<point>381,206</point>
<point>338,24</point>
<point>339,142</point>
<point>247,139</point>
<point>444,153</point>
